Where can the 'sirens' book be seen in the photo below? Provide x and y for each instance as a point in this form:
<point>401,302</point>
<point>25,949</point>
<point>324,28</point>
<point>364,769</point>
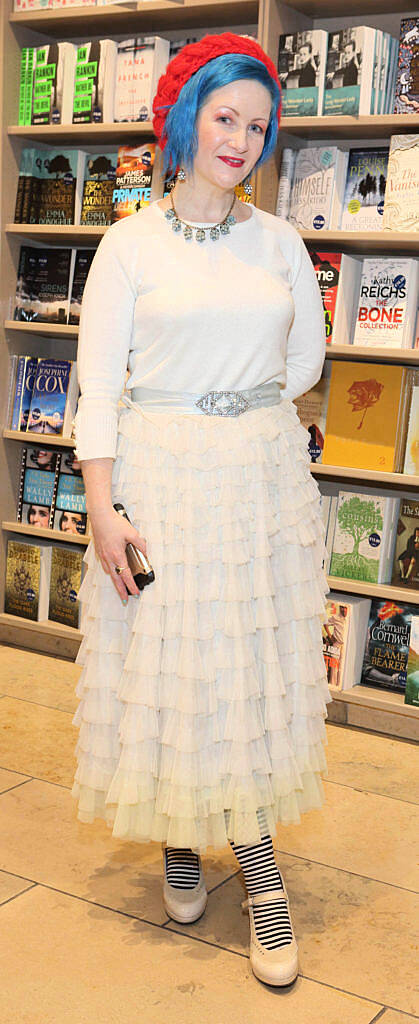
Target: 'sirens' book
<point>301,71</point>
<point>37,486</point>
<point>407,83</point>
<point>99,183</point>
<point>134,171</point>
<point>94,83</point>
<point>317,189</point>
<point>338,276</point>
<point>401,200</point>
<point>140,62</point>
<point>28,569</point>
<point>363,541</point>
<point>42,285</point>
<point>366,406</point>
<point>54,397</point>
<point>387,645</point>
<point>387,302</point>
<point>363,203</point>
<point>66,574</point>
<point>406,553</point>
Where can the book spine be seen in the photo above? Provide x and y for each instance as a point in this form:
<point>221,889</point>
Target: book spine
<point>285,182</point>
<point>22,86</point>
<point>29,84</point>
<point>18,389</point>
<point>21,486</point>
<point>54,493</point>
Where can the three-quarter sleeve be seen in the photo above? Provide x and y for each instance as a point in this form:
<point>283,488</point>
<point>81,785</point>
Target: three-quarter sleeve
<point>104,341</point>
<point>307,336</point>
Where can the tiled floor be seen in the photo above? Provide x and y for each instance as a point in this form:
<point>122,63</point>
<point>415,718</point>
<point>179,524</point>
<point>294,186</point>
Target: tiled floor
<point>84,936</point>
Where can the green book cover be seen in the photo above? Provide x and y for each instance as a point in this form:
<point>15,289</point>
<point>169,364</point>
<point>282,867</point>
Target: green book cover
<point>358,537</point>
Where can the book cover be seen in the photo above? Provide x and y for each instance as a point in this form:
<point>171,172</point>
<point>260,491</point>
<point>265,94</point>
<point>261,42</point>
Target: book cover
<point>53,75</point>
<point>406,553</point>
<point>349,71</point>
<point>53,183</point>
<point>387,302</point>
<point>134,172</point>
<point>70,500</point>
<point>363,414</point>
<point>335,630</point>
<point>363,203</point>
<point>362,537</point>
<point>411,695</point>
<point>286,177</point>
<point>301,71</point>
<point>327,266</point>
<point>94,83</point>
<point>49,396</point>
<point>387,645</point>
<point>24,594</point>
<point>66,574</point>
<point>312,409</point>
<point>139,64</point>
<point>401,200</point>
<point>37,484</point>
<point>29,375</point>
<point>99,184</point>
<point>82,266</point>
<point>406,100</point>
<point>17,389</point>
<point>316,187</point>
<point>42,285</point>
<point>411,457</point>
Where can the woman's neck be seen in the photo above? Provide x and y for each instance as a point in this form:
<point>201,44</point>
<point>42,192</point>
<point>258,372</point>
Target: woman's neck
<point>200,205</point>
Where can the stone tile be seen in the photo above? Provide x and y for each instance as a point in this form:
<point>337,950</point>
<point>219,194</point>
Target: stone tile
<point>365,833</point>
<point>10,886</point>
<point>41,838</point>
<point>351,931</point>
<point>36,740</point>
<point>393,1017</point>
<point>39,678</point>
<point>88,964</point>
<point>10,779</point>
<point>372,762</point>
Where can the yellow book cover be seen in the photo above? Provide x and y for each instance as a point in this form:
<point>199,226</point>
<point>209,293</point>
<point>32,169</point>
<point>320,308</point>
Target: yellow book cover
<point>23,575</point>
<point>363,415</point>
<point>66,573</point>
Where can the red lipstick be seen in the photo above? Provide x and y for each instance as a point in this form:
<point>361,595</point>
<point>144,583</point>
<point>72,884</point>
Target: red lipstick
<point>232,161</point>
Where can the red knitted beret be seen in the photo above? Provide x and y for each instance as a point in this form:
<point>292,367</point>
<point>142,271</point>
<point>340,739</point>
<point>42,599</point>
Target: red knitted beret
<point>190,59</point>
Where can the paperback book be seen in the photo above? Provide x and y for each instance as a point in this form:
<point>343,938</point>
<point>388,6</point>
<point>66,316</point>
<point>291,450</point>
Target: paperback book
<point>301,71</point>
<point>134,172</point>
<point>411,695</point>
<point>48,184</point>
<point>387,645</point>
<point>140,63</point>
<point>363,203</point>
<point>83,262</point>
<point>37,486</point>
<point>28,568</point>
<point>286,178</point>
<point>23,382</point>
<point>99,184</point>
<point>365,416</point>
<point>407,79</point>
<point>411,455</point>
<point>387,304</point>
<point>42,285</point>
<point>69,513</point>
<point>349,71</point>
<point>401,200</point>
<point>54,397</point>
<point>363,542</point>
<point>318,187</point>
<point>53,83</point>
<point>66,575</point>
<point>406,553</point>
<point>338,276</point>
<point>312,408</point>
<point>344,631</point>
<point>94,84</point>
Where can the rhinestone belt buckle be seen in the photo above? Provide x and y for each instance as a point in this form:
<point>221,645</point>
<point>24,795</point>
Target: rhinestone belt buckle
<point>223,403</point>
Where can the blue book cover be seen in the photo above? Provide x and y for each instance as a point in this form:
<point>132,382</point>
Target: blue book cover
<point>387,646</point>
<point>31,364</point>
<point>46,414</point>
<point>70,502</point>
<point>17,399</point>
<point>366,177</point>
<point>37,486</point>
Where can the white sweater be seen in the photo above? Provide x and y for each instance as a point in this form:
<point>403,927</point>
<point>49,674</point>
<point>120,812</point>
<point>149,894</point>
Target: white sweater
<point>190,316</point>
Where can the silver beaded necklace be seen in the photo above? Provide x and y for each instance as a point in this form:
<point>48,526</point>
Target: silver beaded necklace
<point>214,231</point>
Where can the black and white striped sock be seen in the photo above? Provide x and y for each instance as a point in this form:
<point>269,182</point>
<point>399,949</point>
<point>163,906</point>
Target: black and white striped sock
<point>261,873</point>
<point>181,867</point>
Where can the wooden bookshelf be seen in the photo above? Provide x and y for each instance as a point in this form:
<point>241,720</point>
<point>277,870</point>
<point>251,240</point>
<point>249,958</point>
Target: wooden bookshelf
<point>269,18</point>
<point>37,531</point>
<point>373,589</point>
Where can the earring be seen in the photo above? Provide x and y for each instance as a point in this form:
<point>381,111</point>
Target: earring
<point>181,176</point>
<point>248,188</point>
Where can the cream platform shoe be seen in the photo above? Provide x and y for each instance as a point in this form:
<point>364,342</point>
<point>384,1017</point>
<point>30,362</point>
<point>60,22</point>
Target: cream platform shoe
<point>185,905</point>
<point>273,966</point>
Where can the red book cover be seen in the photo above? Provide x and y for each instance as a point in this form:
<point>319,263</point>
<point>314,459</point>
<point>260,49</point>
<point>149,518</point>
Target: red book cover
<point>327,267</point>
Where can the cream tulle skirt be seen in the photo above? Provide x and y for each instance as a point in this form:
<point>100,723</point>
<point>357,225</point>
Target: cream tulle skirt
<point>202,702</point>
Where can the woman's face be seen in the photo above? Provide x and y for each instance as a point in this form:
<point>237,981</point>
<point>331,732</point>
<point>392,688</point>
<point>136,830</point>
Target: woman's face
<point>39,516</point>
<point>69,522</point>
<point>44,458</point>
<point>231,128</point>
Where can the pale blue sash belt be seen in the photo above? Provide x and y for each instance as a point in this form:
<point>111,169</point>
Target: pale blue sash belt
<point>212,403</point>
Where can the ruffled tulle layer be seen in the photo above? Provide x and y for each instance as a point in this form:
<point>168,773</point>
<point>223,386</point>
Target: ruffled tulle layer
<point>202,703</point>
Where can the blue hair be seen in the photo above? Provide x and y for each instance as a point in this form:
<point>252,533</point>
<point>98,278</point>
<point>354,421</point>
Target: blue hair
<point>180,125</point>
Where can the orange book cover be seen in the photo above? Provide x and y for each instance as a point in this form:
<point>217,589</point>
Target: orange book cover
<point>363,415</point>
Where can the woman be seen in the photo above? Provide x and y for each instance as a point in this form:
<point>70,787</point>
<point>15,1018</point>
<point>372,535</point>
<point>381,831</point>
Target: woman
<point>203,701</point>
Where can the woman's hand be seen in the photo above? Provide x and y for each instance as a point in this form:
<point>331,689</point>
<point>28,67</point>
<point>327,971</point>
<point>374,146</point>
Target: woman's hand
<point>111,533</point>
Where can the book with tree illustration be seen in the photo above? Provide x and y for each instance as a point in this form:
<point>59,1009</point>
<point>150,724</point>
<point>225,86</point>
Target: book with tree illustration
<point>363,541</point>
<point>365,416</point>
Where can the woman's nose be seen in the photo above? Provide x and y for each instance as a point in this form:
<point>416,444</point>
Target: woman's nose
<point>239,140</point>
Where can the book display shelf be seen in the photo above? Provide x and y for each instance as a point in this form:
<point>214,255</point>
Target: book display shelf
<point>364,706</point>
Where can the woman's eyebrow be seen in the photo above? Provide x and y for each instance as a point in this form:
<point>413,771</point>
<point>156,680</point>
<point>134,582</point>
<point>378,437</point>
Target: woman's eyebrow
<point>257,118</point>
